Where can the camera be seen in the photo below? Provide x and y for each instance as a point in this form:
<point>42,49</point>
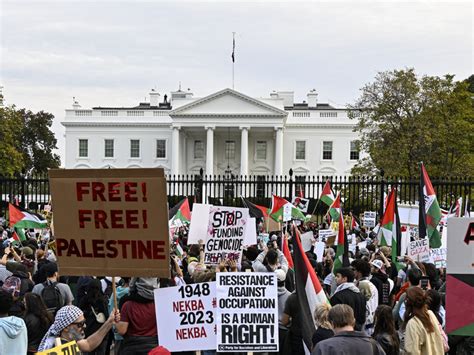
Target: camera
<point>424,282</point>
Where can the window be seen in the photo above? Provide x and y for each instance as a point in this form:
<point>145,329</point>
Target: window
<point>300,185</point>
<point>261,150</point>
<point>300,153</point>
<point>109,148</point>
<point>261,186</point>
<point>83,148</point>
<point>354,153</point>
<point>229,150</point>
<point>161,148</point>
<point>327,150</point>
<point>198,150</point>
<point>134,148</point>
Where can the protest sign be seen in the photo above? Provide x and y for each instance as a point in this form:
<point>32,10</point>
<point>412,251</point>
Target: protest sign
<point>419,250</point>
<point>319,250</point>
<point>325,233</point>
<point>250,232</point>
<point>369,219</point>
<point>70,348</point>
<point>438,257</point>
<point>307,240</point>
<point>247,312</point>
<point>226,235</point>
<point>111,221</point>
<point>199,222</point>
<point>185,317</point>
<point>460,277</point>
<point>287,212</point>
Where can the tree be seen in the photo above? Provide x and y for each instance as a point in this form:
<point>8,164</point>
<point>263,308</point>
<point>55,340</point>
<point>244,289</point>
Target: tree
<point>405,119</point>
<point>27,142</point>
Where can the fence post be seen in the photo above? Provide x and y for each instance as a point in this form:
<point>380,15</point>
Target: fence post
<point>382,190</point>
<point>199,186</point>
<point>290,185</point>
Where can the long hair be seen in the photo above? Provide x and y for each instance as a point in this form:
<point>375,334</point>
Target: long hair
<point>35,305</point>
<point>384,323</point>
<point>321,315</point>
<point>416,306</point>
<point>93,294</point>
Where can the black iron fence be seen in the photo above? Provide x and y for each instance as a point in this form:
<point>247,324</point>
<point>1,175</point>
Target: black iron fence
<point>358,193</point>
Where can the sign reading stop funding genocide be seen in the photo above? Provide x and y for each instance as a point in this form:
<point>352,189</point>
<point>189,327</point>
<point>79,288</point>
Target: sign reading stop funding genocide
<point>111,221</point>
<point>185,317</point>
<point>247,312</point>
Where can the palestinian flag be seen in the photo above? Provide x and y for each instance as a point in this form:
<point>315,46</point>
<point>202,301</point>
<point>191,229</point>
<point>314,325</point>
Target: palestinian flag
<point>429,211</point>
<point>327,195</point>
<point>390,228</point>
<point>335,208</point>
<point>467,208</point>
<point>286,252</point>
<point>181,212</point>
<point>21,219</point>
<point>308,290</point>
<point>354,223</point>
<point>342,251</point>
<point>255,211</point>
<point>280,206</point>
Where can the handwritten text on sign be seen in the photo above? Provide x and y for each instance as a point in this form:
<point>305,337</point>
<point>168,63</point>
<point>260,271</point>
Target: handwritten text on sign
<point>185,317</point>
<point>247,312</point>
<point>419,250</point>
<point>110,216</point>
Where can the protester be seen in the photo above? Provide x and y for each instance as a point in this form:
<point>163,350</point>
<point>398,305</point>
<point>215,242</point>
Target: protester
<point>422,330</point>
<point>37,319</point>
<point>283,295</point>
<point>324,328</point>
<point>380,280</point>
<point>384,330</point>
<point>69,325</point>
<point>346,340</point>
<point>122,291</point>
<point>291,318</point>
<point>270,259</point>
<point>348,293</point>
<point>138,322</point>
<point>13,333</point>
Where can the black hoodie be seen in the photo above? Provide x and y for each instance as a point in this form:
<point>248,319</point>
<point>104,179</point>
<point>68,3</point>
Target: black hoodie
<point>380,280</point>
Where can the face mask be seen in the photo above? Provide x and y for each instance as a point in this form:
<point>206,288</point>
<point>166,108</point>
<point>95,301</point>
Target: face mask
<point>76,335</point>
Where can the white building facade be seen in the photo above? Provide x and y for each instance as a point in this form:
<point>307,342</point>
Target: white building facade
<point>226,132</point>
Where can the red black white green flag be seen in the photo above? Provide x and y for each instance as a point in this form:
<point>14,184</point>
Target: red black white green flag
<point>390,227</point>
<point>429,211</point>
<point>21,219</point>
<point>327,196</point>
<point>342,251</point>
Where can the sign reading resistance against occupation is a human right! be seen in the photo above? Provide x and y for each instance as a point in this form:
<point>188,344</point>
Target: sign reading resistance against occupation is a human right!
<point>111,221</point>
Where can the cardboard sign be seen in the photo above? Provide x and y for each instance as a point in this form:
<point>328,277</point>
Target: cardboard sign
<point>460,277</point>
<point>247,312</point>
<point>369,219</point>
<point>307,240</point>
<point>419,250</point>
<point>70,348</point>
<point>226,234</point>
<point>325,233</point>
<point>438,257</point>
<point>185,317</point>
<point>111,221</point>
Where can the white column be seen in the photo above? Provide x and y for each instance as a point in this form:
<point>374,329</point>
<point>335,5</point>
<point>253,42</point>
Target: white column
<point>175,151</point>
<point>279,151</point>
<point>210,151</point>
<point>244,151</point>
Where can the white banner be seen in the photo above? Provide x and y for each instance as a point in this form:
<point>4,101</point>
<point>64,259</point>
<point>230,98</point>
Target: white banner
<point>419,250</point>
<point>438,257</point>
<point>325,233</point>
<point>185,317</point>
<point>369,219</point>
<point>247,312</point>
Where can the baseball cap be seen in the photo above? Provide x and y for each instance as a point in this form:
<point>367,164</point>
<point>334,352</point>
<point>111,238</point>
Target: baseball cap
<point>377,263</point>
<point>281,275</point>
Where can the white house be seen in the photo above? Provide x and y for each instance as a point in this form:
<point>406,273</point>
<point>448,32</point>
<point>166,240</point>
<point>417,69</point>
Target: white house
<point>226,132</point>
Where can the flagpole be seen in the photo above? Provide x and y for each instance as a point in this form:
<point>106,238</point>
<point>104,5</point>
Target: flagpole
<point>233,58</point>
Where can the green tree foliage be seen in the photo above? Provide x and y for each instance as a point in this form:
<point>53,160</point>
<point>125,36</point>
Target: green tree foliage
<point>406,119</point>
<point>27,142</point>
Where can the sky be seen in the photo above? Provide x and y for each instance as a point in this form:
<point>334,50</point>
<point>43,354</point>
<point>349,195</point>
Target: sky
<point>111,53</point>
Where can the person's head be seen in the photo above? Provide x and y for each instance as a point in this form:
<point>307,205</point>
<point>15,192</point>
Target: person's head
<point>51,270</point>
<point>433,300</point>
<point>321,314</point>
<point>414,276</point>
<point>384,322</point>
<point>344,274</point>
<point>6,301</point>
<point>144,287</point>
<point>281,277</point>
<point>416,304</point>
<point>70,323</point>
<point>194,250</point>
<point>34,305</point>
<point>377,265</point>
<point>93,291</point>
<point>341,317</point>
<point>361,268</point>
<point>272,257</point>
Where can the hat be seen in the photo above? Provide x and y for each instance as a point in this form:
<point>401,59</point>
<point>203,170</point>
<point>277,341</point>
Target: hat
<point>377,263</point>
<point>27,251</point>
<point>280,274</point>
<point>385,250</point>
<point>12,285</point>
<point>144,286</point>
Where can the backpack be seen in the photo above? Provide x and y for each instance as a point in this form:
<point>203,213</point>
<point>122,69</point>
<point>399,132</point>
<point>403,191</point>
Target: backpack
<point>52,297</point>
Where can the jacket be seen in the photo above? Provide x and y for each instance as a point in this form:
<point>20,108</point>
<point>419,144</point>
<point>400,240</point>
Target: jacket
<point>380,280</point>
<point>390,346</point>
<point>258,266</point>
<point>343,343</point>
<point>348,293</point>
<point>13,336</point>
<point>418,341</point>
<point>36,331</point>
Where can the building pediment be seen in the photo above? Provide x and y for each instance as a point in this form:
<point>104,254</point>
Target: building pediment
<point>228,103</point>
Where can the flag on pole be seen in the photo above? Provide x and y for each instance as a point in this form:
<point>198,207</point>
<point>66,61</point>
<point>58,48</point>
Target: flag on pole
<point>390,227</point>
<point>429,211</point>
<point>286,252</point>
<point>280,205</point>
<point>327,196</point>
<point>256,211</point>
<point>354,223</point>
<point>335,208</point>
<point>342,251</point>
<point>21,218</point>
<point>181,212</point>
<point>233,48</point>
<point>308,290</point>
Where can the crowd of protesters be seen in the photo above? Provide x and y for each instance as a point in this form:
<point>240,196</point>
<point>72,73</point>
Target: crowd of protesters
<point>373,308</point>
